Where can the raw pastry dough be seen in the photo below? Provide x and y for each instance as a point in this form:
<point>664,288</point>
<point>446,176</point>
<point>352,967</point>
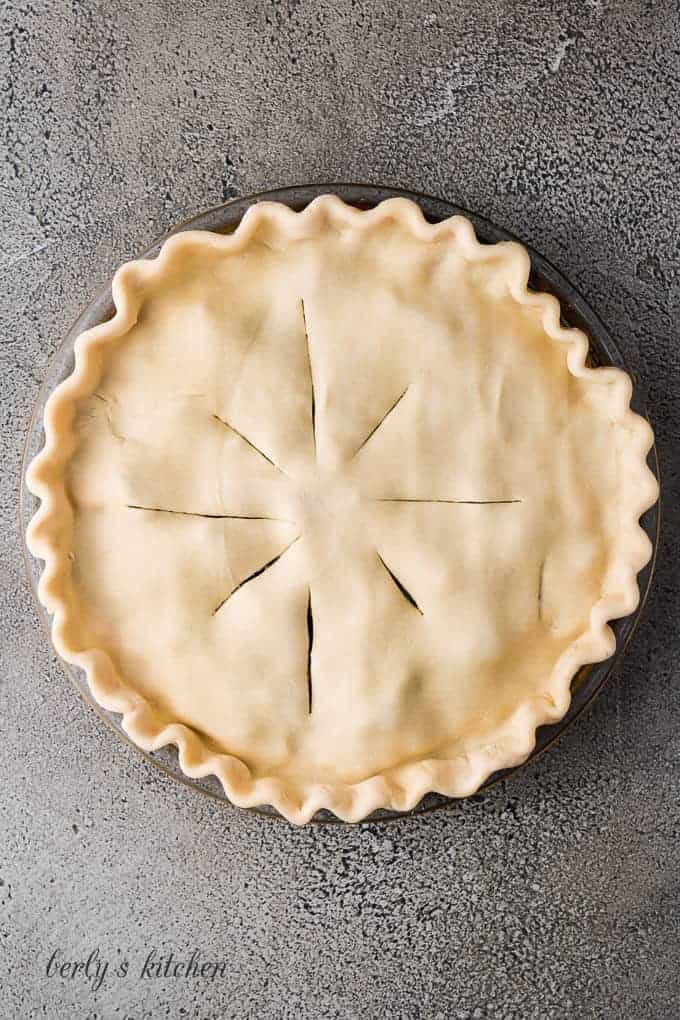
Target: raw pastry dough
<point>335,505</point>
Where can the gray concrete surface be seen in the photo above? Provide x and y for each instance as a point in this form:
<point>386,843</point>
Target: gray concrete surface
<point>556,895</point>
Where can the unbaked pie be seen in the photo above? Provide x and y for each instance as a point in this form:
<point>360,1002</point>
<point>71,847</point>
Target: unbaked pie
<point>335,505</point>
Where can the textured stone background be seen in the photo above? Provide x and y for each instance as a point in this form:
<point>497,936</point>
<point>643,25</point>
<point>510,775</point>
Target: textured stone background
<point>556,895</point>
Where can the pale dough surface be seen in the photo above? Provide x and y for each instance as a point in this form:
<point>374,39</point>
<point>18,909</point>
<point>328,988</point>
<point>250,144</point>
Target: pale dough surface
<point>376,412</point>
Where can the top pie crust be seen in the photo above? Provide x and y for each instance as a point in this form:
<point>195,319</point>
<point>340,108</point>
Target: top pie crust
<point>335,505</point>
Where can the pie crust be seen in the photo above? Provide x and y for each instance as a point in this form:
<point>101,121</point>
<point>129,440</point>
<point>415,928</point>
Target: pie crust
<point>335,505</point>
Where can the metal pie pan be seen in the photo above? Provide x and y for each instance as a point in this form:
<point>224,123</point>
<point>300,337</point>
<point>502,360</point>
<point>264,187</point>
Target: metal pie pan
<point>588,682</point>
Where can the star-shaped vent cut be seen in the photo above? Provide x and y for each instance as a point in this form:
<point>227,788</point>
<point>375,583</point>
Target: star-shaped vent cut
<point>412,601</point>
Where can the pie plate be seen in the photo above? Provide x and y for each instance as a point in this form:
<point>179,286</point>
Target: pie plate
<point>544,277</point>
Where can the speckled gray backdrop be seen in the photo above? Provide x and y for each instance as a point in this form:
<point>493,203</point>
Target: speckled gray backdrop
<point>557,894</point>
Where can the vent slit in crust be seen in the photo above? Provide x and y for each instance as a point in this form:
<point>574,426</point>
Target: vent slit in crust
<point>249,442</point>
<point>310,646</point>
<point>541,572</point>
<point>382,420</point>
<point>404,591</point>
<point>213,517</point>
<point>461,502</point>
<point>311,370</point>
<point>256,573</point>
